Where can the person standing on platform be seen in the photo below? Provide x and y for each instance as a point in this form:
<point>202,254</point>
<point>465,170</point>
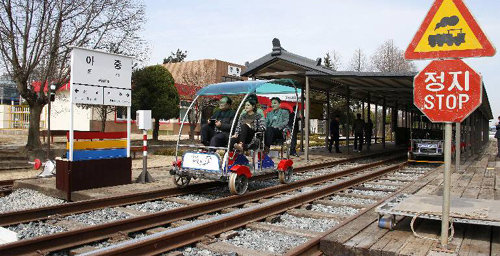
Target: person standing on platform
<point>334,134</point>
<point>368,132</point>
<point>497,136</point>
<point>358,129</point>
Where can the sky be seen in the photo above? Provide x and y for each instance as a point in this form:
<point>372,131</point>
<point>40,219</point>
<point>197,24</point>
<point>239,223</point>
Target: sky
<point>239,31</point>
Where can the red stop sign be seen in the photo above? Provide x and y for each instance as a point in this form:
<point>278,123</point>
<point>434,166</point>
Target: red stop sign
<point>447,90</point>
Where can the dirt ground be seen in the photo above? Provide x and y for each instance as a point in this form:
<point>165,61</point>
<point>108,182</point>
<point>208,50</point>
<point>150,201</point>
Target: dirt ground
<point>9,143</point>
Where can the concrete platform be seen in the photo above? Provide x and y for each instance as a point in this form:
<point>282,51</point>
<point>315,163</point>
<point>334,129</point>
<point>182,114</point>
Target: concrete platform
<point>159,169</point>
<point>476,179</point>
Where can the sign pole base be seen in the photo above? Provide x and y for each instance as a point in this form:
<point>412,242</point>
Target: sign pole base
<point>145,177</point>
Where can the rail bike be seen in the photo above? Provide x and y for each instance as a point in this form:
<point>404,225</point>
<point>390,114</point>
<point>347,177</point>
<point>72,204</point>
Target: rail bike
<point>229,165</point>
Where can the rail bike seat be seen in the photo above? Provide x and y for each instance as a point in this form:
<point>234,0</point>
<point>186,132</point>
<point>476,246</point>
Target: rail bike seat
<point>257,141</point>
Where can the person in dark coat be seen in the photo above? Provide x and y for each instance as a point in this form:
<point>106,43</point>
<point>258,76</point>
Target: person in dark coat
<point>497,136</point>
<point>215,132</point>
<point>334,134</point>
<point>368,132</point>
<point>358,128</point>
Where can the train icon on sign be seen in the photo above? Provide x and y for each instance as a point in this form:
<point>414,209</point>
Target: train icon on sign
<point>455,36</point>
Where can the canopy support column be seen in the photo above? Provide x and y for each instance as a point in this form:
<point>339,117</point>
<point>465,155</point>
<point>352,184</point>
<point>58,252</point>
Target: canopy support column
<point>347,129</point>
<point>368,112</point>
<point>384,113</point>
<point>307,129</point>
<point>302,100</point>
<point>363,110</point>
<point>375,125</point>
<point>328,118</point>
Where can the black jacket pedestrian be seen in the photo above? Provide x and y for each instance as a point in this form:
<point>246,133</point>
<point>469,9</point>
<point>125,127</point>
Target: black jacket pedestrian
<point>334,129</point>
<point>497,133</point>
<point>226,118</point>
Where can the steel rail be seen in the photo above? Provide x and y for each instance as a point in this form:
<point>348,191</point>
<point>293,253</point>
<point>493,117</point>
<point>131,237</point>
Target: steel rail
<point>194,233</point>
<point>86,235</point>
<point>16,217</point>
<point>311,247</point>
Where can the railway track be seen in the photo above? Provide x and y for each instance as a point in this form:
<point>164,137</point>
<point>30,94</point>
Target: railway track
<point>82,236</point>
<point>16,217</point>
<point>196,232</point>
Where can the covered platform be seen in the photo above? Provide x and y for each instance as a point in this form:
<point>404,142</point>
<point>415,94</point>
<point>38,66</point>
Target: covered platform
<point>477,181</point>
<point>380,93</point>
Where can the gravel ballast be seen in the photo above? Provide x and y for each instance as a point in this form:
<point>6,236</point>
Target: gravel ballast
<point>34,229</point>
<point>266,241</point>
<point>293,222</point>
<point>351,200</point>
<point>23,199</point>
<point>155,206</point>
<point>339,210</point>
<point>98,217</point>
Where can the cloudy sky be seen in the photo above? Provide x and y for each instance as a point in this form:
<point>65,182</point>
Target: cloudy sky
<point>239,31</point>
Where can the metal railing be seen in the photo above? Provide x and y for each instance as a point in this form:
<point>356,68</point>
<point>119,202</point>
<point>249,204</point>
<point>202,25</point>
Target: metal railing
<point>18,117</point>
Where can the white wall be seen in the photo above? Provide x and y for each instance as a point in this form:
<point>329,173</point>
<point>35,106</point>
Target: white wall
<point>60,116</point>
<point>4,117</point>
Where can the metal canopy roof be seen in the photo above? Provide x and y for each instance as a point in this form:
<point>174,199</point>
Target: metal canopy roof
<point>395,88</point>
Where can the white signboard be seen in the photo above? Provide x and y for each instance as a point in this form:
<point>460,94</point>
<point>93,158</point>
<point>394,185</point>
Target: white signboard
<point>117,97</point>
<point>97,68</point>
<point>201,161</point>
<point>290,97</point>
<point>86,94</point>
<point>233,71</point>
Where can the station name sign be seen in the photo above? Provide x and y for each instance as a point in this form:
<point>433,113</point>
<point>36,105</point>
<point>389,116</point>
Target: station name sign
<point>100,78</point>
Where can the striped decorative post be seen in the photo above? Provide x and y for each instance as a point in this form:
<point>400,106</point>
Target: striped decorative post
<point>145,176</point>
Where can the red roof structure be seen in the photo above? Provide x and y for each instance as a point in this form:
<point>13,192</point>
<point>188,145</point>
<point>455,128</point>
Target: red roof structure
<point>37,84</point>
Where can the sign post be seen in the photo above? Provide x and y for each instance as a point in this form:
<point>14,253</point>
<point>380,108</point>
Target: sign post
<point>144,123</point>
<point>458,146</point>
<point>99,78</point>
<point>447,91</point>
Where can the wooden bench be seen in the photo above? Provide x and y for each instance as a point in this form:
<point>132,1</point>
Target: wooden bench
<point>135,149</point>
<point>53,133</point>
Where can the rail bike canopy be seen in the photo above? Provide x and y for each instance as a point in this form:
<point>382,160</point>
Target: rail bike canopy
<point>279,86</point>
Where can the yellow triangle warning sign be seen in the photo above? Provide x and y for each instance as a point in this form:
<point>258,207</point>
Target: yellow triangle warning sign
<point>449,31</point>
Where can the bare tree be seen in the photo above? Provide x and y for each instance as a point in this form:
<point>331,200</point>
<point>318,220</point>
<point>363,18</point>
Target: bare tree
<point>36,38</point>
<point>178,56</point>
<point>389,58</point>
<point>336,61</point>
<point>358,61</point>
<point>196,79</point>
<point>327,60</point>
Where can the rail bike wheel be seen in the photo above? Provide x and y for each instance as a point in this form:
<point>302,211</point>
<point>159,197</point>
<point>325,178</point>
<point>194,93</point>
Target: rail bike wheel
<point>180,181</point>
<point>238,184</point>
<point>285,176</point>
